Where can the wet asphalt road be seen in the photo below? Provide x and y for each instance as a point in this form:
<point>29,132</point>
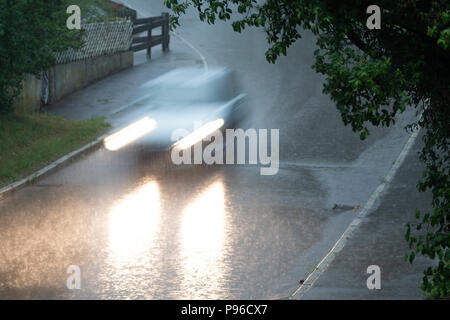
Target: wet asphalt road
<point>141,228</point>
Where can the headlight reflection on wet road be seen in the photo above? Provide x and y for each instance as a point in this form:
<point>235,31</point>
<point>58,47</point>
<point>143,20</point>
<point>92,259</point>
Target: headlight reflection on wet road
<point>198,241</point>
<point>202,240</point>
<point>133,223</point>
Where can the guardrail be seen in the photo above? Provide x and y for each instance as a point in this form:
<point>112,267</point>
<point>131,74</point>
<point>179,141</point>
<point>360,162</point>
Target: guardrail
<point>147,42</point>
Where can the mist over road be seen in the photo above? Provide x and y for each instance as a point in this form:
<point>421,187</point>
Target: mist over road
<point>141,229</point>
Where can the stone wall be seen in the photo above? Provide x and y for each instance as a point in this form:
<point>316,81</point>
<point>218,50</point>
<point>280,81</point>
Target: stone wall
<point>64,79</point>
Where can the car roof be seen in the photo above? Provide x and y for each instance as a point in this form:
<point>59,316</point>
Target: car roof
<point>188,77</point>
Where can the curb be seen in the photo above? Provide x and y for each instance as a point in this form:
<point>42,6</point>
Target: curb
<point>11,188</point>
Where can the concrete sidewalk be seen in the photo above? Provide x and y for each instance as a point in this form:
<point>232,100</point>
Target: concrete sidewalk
<point>380,240</point>
<point>122,90</point>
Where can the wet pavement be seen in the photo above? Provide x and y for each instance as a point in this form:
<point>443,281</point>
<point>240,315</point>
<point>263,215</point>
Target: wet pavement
<point>140,227</point>
<point>380,240</point>
<point>155,232</point>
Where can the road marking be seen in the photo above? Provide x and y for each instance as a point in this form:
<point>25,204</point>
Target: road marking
<point>341,242</point>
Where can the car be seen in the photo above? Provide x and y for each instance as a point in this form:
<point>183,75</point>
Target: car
<point>189,103</point>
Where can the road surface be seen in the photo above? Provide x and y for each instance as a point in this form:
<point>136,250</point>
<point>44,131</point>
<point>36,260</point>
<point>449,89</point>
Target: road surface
<point>139,228</point>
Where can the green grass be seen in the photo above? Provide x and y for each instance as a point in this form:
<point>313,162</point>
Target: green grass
<point>30,142</point>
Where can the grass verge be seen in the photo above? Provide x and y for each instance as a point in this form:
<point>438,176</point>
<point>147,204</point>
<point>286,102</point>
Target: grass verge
<point>30,142</point>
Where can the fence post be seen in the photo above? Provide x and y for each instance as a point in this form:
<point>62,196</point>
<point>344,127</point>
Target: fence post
<point>165,32</point>
<point>149,36</point>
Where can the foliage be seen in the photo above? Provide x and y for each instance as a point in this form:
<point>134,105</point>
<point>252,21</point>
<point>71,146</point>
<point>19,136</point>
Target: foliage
<point>372,75</point>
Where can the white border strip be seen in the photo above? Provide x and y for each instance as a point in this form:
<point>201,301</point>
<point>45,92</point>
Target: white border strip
<point>341,242</point>
<point>205,63</point>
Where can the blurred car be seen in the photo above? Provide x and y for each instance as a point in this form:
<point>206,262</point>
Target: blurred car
<point>185,101</point>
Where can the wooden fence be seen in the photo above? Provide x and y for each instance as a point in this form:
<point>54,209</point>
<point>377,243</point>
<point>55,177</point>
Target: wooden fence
<point>149,40</point>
